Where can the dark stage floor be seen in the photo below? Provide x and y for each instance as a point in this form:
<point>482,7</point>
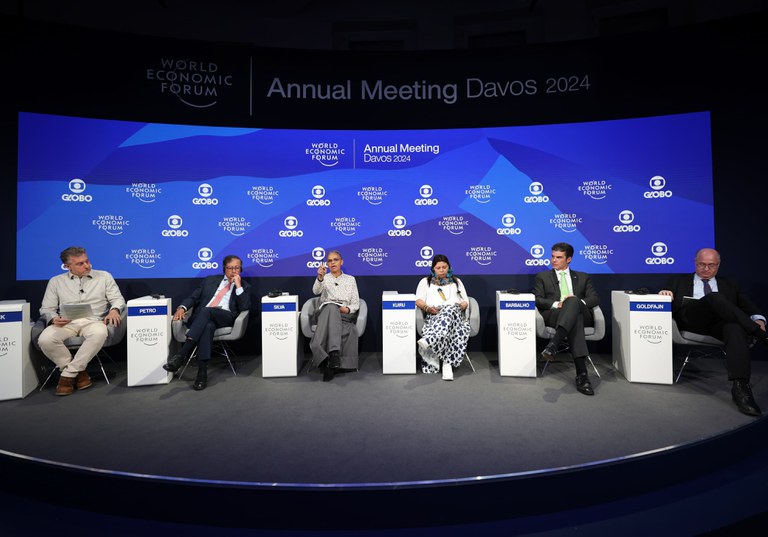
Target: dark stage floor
<point>365,427</point>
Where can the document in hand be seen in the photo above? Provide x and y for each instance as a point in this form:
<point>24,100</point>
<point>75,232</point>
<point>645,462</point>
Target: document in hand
<point>76,311</point>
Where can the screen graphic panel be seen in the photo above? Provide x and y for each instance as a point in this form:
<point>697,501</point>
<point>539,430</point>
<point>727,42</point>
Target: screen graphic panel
<point>155,200</point>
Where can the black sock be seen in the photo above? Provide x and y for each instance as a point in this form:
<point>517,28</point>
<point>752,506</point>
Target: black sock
<point>560,334</point>
<point>187,348</point>
<point>581,365</point>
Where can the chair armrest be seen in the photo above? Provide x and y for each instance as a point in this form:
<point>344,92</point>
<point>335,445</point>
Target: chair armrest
<point>116,334</point>
<point>599,317</point>
<point>179,328</point>
<point>305,317</point>
<point>362,317</point>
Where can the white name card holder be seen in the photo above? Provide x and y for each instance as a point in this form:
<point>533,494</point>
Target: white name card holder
<point>280,353</point>
<point>149,337</point>
<point>17,372</point>
<point>516,319</point>
<point>398,319</point>
<point>642,337</point>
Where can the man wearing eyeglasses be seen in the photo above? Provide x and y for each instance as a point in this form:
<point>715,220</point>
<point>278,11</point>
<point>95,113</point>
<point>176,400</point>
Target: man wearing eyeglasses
<point>706,304</point>
<point>217,302</point>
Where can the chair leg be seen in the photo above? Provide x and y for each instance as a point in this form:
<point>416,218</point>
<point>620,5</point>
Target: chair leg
<point>98,359</point>
<point>53,370</point>
<point>593,366</point>
<point>685,363</point>
<point>466,354</point>
<point>191,355</point>
<point>225,351</point>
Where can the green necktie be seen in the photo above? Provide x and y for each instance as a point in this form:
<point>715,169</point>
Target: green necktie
<point>563,286</point>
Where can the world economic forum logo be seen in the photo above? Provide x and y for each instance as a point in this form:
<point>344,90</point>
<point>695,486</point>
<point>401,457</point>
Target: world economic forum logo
<point>77,187</point>
<point>263,257</point>
<point>264,194</point>
<point>195,83</point>
<point>597,189</point>
<point>145,258</point>
<point>373,256</point>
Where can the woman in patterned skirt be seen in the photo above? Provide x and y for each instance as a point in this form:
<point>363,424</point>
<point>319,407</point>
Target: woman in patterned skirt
<point>443,299</point>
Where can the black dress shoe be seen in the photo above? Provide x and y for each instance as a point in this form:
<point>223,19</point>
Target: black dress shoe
<point>334,361</point>
<point>742,396</point>
<point>201,381</point>
<point>583,384</point>
<point>328,374</point>
<point>174,363</point>
<point>549,351</point>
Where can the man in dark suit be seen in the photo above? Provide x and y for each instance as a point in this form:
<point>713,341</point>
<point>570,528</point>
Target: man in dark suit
<point>721,310</point>
<point>565,299</point>
<point>217,302</point>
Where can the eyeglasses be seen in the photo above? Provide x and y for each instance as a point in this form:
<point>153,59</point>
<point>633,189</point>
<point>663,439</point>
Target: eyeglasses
<point>238,269</point>
<point>709,266</point>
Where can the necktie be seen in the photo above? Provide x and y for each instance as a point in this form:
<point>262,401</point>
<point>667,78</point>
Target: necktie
<point>564,292</point>
<point>707,288</point>
<point>223,291</point>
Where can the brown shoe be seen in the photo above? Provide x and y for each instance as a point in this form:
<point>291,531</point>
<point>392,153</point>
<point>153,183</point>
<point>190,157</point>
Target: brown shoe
<point>83,380</point>
<point>65,386</point>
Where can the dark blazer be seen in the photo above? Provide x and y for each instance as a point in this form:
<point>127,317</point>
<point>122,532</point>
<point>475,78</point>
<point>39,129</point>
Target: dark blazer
<point>681,285</point>
<point>207,290</point>
<point>547,289</point>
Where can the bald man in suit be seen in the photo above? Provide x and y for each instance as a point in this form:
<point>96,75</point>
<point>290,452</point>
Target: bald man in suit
<point>723,311</point>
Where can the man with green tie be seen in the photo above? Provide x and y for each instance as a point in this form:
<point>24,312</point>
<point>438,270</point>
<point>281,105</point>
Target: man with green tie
<point>565,299</point>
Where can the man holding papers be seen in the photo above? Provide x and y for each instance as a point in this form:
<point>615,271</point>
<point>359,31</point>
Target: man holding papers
<point>716,306</point>
<point>336,331</point>
<point>80,302</point>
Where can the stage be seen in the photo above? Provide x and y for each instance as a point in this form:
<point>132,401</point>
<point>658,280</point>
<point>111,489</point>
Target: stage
<point>365,432</point>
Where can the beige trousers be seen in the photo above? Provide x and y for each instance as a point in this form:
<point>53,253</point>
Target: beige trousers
<point>52,344</point>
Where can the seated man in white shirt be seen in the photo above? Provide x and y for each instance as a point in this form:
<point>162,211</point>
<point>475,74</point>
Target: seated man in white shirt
<point>217,302</point>
<point>81,285</point>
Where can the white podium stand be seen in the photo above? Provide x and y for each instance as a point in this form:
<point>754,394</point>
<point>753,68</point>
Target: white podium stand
<point>516,319</point>
<point>17,372</point>
<point>642,337</point>
<point>149,336</point>
<point>398,319</point>
<point>280,356</point>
